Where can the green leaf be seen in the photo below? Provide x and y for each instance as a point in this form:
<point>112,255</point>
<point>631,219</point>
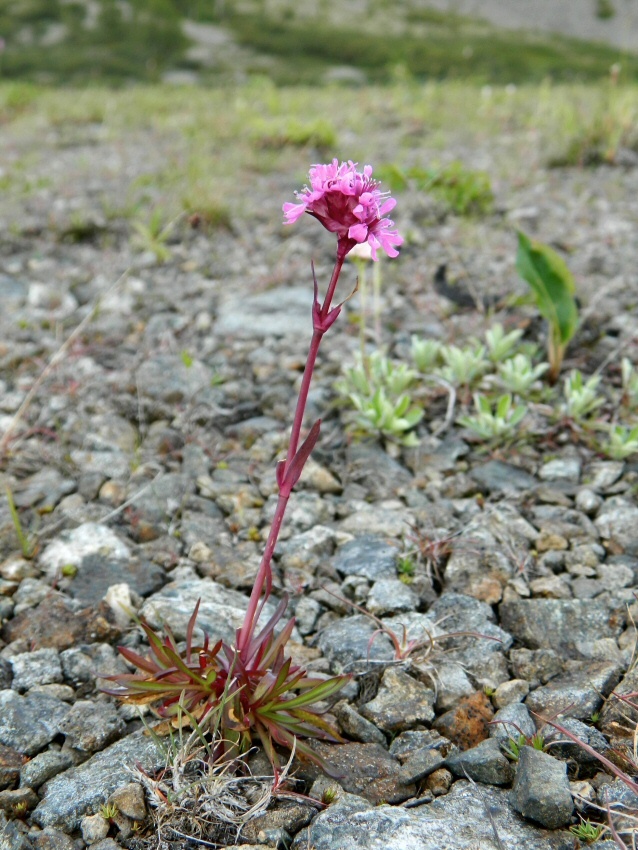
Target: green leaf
<point>552,284</point>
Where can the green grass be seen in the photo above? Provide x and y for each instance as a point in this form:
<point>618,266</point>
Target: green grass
<point>56,42</point>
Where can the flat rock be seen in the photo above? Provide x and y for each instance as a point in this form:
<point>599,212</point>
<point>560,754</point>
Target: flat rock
<point>96,574</point>
<point>82,790</point>
<point>28,724</point>
<point>578,693</point>
<point>457,821</point>
<point>497,476</point>
<point>221,610</point>
<point>560,624</point>
<point>55,623</point>
<point>400,703</point>
<point>369,466</point>
<point>72,546</point>
<point>281,311</point>
<point>347,644</point>
<point>366,769</point>
<point>368,556</point>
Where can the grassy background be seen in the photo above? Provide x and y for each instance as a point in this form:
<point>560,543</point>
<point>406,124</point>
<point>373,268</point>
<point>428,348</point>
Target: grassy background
<point>58,42</point>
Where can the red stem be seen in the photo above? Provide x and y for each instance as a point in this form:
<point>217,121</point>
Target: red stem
<point>263,579</point>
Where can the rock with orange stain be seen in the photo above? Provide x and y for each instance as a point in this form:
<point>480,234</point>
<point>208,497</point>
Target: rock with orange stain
<point>468,723</point>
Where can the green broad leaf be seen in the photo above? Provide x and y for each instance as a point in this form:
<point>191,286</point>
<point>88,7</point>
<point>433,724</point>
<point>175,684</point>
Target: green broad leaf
<point>413,417</point>
<point>552,284</point>
<point>503,406</point>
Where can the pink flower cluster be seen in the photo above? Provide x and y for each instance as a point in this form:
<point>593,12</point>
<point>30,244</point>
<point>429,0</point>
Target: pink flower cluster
<point>349,203</point>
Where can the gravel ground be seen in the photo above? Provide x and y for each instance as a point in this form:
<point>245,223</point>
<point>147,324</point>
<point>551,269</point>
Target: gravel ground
<point>143,470</point>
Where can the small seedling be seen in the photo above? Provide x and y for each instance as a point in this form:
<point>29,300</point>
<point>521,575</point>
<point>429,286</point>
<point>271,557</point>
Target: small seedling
<point>587,831</point>
<point>463,366</point>
<point>378,390</point>
<point>490,423</point>
<point>554,292</point>
<point>406,567</point>
<point>27,547</point>
<point>153,235</point>
<point>518,374</point>
<point>109,811</point>
<point>621,443</point>
<point>499,344</point>
<point>514,746</point>
<point>329,795</point>
<point>581,399</point>
<point>425,353</point>
<point>392,419</point>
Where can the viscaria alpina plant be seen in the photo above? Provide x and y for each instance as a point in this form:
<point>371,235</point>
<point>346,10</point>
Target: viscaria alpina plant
<point>251,688</point>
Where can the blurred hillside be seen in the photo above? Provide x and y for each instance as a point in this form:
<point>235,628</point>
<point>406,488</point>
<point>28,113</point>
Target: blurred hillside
<point>313,41</point>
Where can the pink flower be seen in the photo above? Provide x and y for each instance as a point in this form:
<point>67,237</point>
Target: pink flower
<point>349,203</point>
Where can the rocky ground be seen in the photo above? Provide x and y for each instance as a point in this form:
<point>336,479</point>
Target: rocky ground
<point>143,471</point>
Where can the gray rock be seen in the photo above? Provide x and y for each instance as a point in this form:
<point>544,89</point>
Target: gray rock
<point>485,763</point>
<point>465,819</point>
<point>29,723</point>
<point>366,769</point>
<point>556,520</point>
<point>401,702</point>
<point>43,767</point>
<point>130,800</point>
<point>496,476</point>
<point>561,746</point>
<point>283,311</point>
<point>53,839</point>
<point>308,549</point>
<point>560,624</point>
<point>368,556</point>
<point>221,610</point>
<point>421,764</point>
<point>603,473</point>
<point>561,469</point>
<point>536,666</point>
<point>369,466</point>
<point>96,574</point>
<point>82,790</point>
<point>289,818</point>
<point>618,716</point>
<point>356,726</point>
<point>511,721</point>
<point>390,518</point>
<point>14,800</point>
<point>109,464</point>
<point>72,546</point>
<point>410,743</point>
<point>91,726</point>
<point>577,693</point>
<point>346,644</point>
<point>478,571</point>
<point>167,378</point>
<point>541,790</point>
<point>452,682</point>
<point>94,828</point>
<point>588,501</point>
<point>391,596</point>
<point>307,612</point>
<point>481,653</point>
<point>81,664</point>
<point>41,667</point>
<point>43,489</point>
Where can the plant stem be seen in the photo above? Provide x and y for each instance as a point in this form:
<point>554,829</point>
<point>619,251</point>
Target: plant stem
<point>263,579</point>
